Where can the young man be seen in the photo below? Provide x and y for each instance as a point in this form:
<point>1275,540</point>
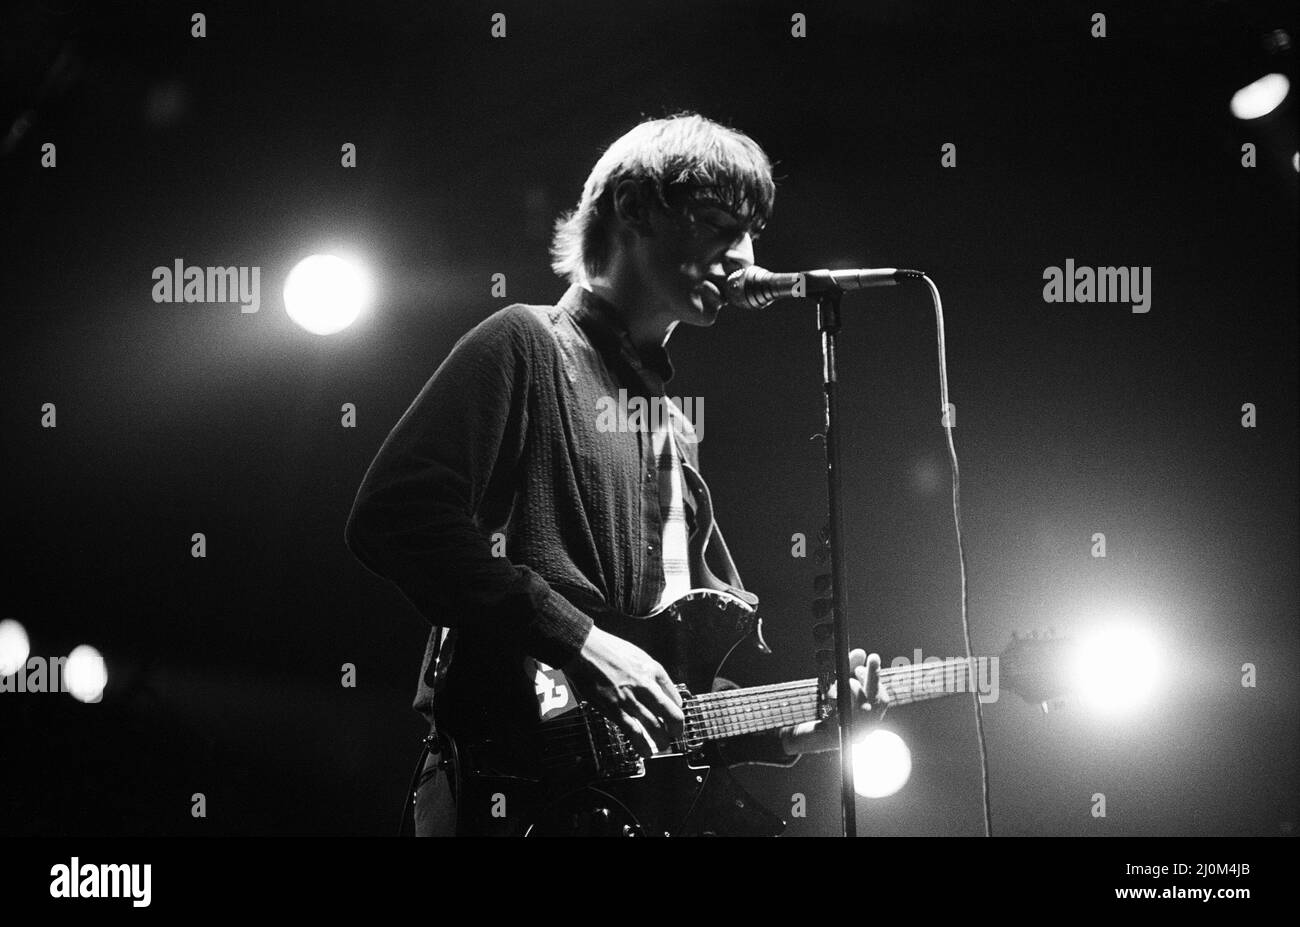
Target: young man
<point>499,499</point>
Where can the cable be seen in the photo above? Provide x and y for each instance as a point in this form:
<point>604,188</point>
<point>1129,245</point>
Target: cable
<point>948,424</point>
<point>408,806</point>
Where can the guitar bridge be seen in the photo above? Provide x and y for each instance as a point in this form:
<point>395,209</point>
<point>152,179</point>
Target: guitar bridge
<point>614,755</point>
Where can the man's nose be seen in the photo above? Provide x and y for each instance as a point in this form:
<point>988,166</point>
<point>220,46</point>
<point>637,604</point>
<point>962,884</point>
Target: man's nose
<point>740,255</point>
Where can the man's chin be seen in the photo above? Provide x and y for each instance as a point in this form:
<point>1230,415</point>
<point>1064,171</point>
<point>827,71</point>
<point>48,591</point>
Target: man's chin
<point>701,316</point>
<point>702,311</point>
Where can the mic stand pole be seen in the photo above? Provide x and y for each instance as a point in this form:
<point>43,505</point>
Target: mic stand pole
<point>828,323</point>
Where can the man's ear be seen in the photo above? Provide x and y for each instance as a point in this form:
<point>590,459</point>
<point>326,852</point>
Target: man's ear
<point>632,206</point>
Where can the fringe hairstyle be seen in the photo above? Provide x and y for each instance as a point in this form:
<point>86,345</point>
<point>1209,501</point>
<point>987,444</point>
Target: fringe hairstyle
<point>685,150</point>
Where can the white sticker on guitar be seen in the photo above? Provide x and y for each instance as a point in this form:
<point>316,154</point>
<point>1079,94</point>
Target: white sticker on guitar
<point>553,691</point>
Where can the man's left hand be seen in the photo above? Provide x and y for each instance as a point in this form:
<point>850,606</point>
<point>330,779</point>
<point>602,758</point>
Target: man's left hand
<point>869,694</point>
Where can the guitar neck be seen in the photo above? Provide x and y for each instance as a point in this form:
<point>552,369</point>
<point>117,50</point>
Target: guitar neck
<point>734,712</point>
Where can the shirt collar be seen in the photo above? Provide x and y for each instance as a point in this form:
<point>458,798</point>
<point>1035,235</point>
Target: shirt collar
<point>609,334</point>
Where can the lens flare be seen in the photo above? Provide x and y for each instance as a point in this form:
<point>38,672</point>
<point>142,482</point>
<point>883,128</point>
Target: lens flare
<point>1117,669</point>
<point>1261,97</point>
<point>882,764</point>
<point>14,647</point>
<point>325,293</point>
<point>85,674</point>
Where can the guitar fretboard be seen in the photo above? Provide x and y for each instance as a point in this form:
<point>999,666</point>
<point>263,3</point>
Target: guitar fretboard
<point>719,715</point>
<point>733,712</point>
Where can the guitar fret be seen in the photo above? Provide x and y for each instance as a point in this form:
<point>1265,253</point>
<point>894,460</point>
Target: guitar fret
<point>731,713</point>
<point>920,682</point>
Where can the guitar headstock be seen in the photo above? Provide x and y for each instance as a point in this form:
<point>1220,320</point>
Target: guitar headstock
<point>1036,666</point>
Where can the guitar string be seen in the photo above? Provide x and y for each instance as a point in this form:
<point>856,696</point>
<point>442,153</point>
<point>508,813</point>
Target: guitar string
<point>773,717</point>
<point>720,727</point>
<point>744,702</point>
<point>739,714</point>
<point>735,703</point>
<point>694,710</point>
<point>902,678</point>
<point>713,727</point>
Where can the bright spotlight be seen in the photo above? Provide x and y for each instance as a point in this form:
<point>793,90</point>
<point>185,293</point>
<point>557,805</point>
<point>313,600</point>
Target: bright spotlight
<point>1261,97</point>
<point>325,294</point>
<point>882,764</point>
<point>1117,668</point>
<point>85,674</point>
<point>14,647</point>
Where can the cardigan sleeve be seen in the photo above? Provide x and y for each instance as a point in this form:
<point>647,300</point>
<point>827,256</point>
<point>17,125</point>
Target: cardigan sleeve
<point>416,517</point>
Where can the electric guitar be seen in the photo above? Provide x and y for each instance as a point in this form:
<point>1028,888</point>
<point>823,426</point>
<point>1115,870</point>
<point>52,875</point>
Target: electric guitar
<point>560,768</point>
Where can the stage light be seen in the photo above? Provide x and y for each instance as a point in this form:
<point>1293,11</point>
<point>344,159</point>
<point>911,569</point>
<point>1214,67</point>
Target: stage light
<point>85,674</point>
<point>325,293</point>
<point>1295,160</point>
<point>1117,668</point>
<point>1261,97</point>
<point>14,647</point>
<point>882,764</point>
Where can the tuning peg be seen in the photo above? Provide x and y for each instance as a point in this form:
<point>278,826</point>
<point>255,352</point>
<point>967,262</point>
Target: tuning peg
<point>823,609</point>
<point>825,534</point>
<point>823,631</point>
<point>822,583</point>
<point>825,658</point>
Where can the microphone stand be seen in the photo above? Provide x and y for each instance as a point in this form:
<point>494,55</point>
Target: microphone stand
<point>828,323</point>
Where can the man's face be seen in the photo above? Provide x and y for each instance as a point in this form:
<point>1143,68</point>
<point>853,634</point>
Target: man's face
<point>691,251</point>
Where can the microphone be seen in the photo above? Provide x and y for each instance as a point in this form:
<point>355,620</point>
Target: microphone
<point>756,288</point>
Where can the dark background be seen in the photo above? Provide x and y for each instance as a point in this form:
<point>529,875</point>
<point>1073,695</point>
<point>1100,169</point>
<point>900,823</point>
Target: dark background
<point>1072,419</point>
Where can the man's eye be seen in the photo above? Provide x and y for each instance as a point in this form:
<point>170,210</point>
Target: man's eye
<point>724,231</point>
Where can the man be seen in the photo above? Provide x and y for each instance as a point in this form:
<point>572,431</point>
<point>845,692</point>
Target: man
<point>498,501</point>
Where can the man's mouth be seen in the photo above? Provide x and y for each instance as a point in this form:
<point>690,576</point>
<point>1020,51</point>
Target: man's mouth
<point>713,298</point>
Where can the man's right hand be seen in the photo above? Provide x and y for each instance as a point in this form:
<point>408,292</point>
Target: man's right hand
<point>630,688</point>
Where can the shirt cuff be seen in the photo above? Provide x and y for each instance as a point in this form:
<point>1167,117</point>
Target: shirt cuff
<point>557,632</point>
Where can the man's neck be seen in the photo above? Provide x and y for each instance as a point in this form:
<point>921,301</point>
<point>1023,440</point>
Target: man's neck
<point>648,328</point>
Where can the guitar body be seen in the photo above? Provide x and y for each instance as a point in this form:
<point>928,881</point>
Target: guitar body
<point>670,797</point>
<point>547,764</point>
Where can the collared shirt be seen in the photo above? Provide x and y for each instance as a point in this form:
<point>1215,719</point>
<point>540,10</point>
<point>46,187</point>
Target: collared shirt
<point>503,484</point>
